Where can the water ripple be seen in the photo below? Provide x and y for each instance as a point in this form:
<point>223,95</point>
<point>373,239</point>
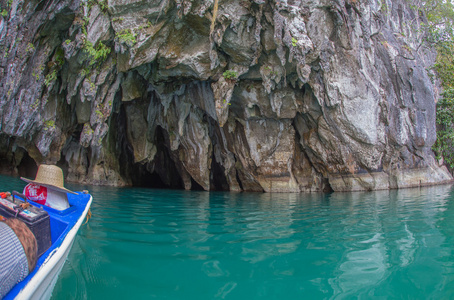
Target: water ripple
<point>197,245</point>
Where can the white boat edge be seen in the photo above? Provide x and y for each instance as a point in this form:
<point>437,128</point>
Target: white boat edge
<point>42,284</point>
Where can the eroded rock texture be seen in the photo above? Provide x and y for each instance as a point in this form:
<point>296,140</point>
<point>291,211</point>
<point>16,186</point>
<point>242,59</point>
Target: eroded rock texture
<point>263,95</point>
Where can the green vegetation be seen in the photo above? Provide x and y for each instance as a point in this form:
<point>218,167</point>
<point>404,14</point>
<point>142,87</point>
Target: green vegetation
<point>86,21</point>
<point>444,146</point>
<point>384,7</point>
<point>85,72</point>
<point>49,124</point>
<point>35,75</point>
<point>438,32</point>
<point>35,104</point>
<point>271,71</point>
<point>406,47</point>
<point>445,64</point>
<point>98,53</point>
<point>30,47</point>
<point>50,77</point>
<point>4,13</point>
<point>88,130</point>
<point>54,66</point>
<point>126,36</point>
<point>101,3</point>
<point>99,114</point>
<point>101,111</point>
<point>440,19</point>
<point>230,74</point>
<point>294,42</point>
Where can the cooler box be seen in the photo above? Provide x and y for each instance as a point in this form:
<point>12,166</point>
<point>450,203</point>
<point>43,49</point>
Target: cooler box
<point>37,220</point>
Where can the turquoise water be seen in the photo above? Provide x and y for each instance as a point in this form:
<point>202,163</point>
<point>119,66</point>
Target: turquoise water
<point>161,244</point>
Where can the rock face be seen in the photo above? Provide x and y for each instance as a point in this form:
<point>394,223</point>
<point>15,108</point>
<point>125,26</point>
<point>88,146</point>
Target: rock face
<point>262,95</point>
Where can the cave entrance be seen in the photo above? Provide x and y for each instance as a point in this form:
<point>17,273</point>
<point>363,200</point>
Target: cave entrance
<point>218,181</point>
<point>144,178</point>
<point>326,186</point>
<point>27,166</point>
<point>195,186</point>
<point>165,171</point>
<point>162,172</point>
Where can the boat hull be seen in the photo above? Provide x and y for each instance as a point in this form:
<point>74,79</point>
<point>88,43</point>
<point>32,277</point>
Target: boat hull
<point>42,282</point>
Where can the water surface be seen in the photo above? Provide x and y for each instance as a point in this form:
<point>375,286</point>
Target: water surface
<point>162,244</point>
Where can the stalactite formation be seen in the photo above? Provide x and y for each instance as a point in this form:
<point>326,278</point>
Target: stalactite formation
<point>275,96</point>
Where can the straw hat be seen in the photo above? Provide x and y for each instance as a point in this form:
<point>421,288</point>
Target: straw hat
<point>51,177</point>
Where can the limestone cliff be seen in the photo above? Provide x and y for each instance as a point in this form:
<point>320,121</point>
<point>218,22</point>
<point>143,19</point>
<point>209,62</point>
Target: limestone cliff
<point>261,95</point>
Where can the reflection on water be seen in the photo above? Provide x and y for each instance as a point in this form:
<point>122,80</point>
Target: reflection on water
<point>393,245</point>
<point>196,245</point>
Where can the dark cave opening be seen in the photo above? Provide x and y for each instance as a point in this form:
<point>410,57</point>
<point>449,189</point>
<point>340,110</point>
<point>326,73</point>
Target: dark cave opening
<point>144,178</point>
<point>162,172</point>
<point>27,167</point>
<point>195,186</point>
<point>218,181</point>
<point>326,186</point>
<point>118,134</point>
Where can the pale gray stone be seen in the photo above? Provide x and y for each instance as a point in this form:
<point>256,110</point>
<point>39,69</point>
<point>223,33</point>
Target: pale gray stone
<point>326,95</point>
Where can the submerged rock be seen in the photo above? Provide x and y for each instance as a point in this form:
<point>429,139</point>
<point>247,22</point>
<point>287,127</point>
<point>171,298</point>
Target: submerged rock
<point>275,96</point>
